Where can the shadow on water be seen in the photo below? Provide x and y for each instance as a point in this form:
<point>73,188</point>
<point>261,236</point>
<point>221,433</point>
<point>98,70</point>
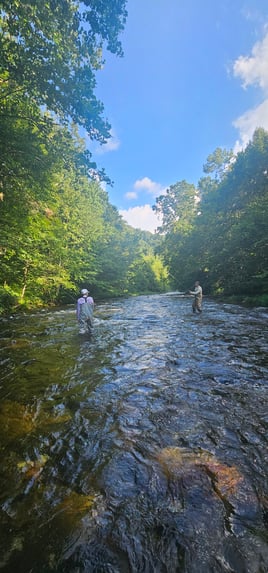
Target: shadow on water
<point>140,450</point>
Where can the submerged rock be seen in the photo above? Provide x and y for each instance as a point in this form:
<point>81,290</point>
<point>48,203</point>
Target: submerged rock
<point>180,462</point>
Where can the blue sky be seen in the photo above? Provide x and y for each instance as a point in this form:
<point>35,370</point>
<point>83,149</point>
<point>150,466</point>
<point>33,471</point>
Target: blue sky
<point>194,77</point>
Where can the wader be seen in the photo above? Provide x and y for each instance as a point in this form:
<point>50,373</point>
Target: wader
<point>86,318</point>
<point>197,302</point>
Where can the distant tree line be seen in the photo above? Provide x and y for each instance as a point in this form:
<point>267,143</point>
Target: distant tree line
<point>217,233</point>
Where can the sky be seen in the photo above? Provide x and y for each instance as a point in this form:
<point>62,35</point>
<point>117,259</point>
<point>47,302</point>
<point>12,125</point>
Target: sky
<point>194,77</point>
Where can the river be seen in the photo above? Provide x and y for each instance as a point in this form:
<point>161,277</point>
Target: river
<point>140,450</point>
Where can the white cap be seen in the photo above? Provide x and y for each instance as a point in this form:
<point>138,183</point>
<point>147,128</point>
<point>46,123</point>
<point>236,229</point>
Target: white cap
<point>84,291</point>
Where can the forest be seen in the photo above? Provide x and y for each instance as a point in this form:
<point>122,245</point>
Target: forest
<point>59,232</point>
<point>217,233</point>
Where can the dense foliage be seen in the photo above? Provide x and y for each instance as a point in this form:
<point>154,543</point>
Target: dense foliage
<point>59,232</point>
<point>58,229</point>
<point>217,233</point>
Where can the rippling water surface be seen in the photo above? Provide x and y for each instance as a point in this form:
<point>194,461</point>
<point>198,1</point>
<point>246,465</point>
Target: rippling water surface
<point>140,450</point>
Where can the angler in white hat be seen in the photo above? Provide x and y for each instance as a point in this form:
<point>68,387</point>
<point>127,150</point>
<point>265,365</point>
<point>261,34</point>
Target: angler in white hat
<point>84,312</point>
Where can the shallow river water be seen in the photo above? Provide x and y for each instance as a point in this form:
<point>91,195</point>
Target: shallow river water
<point>141,450</point>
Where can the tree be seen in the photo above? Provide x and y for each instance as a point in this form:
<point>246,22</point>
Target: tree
<point>49,55</point>
<point>48,225</point>
<point>218,162</point>
<point>177,207</point>
<point>231,227</point>
<point>224,243</point>
<point>51,50</point>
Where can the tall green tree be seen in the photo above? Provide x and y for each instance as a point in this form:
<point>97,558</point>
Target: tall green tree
<point>219,163</point>
<point>49,55</point>
<point>224,243</point>
<point>50,51</point>
<point>178,209</point>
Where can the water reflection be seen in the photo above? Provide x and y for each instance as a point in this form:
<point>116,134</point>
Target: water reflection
<point>143,449</point>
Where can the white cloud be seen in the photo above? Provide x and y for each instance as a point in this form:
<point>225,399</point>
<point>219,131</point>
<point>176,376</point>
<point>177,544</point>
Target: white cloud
<point>141,217</point>
<point>146,184</point>
<point>248,122</point>
<point>253,71</point>
<point>149,186</point>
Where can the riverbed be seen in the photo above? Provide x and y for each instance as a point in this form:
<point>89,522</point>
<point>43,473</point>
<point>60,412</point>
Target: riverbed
<point>141,449</point>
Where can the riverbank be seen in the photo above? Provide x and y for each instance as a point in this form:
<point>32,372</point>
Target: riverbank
<point>248,301</point>
<point>13,308</point>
